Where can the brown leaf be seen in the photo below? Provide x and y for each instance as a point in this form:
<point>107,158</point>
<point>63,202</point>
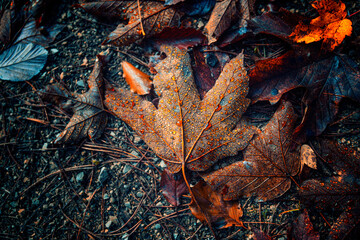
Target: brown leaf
<point>138,81</point>
<point>185,131</point>
<point>331,26</point>
<point>89,119</point>
<point>154,18</point>
<point>223,14</point>
<point>173,186</point>
<point>222,214</point>
<point>302,228</point>
<point>268,163</point>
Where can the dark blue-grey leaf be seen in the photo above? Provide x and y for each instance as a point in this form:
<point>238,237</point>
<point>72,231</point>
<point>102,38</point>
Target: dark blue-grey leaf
<point>21,62</point>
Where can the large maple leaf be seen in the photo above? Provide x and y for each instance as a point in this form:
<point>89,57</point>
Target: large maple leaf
<point>185,130</point>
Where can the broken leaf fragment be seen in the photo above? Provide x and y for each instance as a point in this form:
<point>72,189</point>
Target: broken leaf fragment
<point>138,81</point>
<point>185,130</point>
<point>89,119</point>
<point>331,26</point>
<point>220,213</point>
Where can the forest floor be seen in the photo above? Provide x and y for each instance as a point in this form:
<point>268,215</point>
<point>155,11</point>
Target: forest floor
<point>69,192</point>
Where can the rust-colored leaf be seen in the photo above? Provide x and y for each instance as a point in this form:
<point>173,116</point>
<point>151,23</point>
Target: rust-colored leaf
<point>220,213</point>
<point>303,229</point>
<point>173,186</point>
<point>89,119</point>
<point>260,235</point>
<point>331,26</point>
<point>223,14</point>
<point>268,163</point>
<point>138,81</point>
<point>185,131</point>
<point>109,10</point>
<point>154,18</point>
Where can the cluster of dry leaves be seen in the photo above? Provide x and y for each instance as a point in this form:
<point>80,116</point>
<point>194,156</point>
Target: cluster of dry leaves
<point>192,113</point>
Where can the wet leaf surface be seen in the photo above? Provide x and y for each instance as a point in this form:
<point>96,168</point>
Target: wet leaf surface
<point>138,81</point>
<point>184,130</point>
<point>268,163</point>
<point>302,228</point>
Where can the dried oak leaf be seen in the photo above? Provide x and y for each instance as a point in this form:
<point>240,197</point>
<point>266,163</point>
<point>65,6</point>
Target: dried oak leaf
<point>220,213</point>
<point>223,14</point>
<point>303,229</point>
<point>184,130</point>
<point>268,164</point>
<point>173,186</point>
<point>138,81</point>
<point>154,18</point>
<point>331,26</point>
<point>89,119</point>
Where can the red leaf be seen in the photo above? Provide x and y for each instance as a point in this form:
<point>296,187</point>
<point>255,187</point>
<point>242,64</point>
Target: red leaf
<point>343,226</point>
<point>173,186</point>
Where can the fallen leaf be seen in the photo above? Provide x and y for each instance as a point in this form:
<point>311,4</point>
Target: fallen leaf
<point>303,229</point>
<point>173,186</point>
<point>182,38</point>
<point>268,164</point>
<point>89,119</point>
<point>22,61</point>
<point>345,224</point>
<point>220,213</point>
<point>330,191</point>
<point>138,81</point>
<point>31,34</point>
<point>327,82</point>
<point>223,14</point>
<point>331,26</point>
<point>307,157</point>
<point>154,18</point>
<point>12,21</point>
<point>183,130</point>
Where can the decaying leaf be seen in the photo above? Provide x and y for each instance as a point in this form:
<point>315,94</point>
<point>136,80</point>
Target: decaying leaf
<point>307,157</point>
<point>344,224</point>
<point>303,229</point>
<point>173,186</point>
<point>154,18</point>
<point>223,14</point>
<point>331,26</point>
<point>185,131</point>
<point>138,81</point>
<point>260,235</point>
<point>197,7</point>
<point>220,213</point>
<point>327,82</point>
<point>328,191</point>
<point>89,119</point>
<point>268,163</point>
<point>22,61</point>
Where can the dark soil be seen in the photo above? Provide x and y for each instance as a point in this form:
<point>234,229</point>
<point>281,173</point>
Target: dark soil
<point>110,188</point>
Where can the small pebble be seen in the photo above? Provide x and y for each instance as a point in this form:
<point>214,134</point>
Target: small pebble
<point>80,177</point>
<point>157,226</point>
<point>126,169</point>
<point>139,194</point>
<point>162,164</point>
<point>127,204</point>
<point>106,196</point>
<point>103,176</point>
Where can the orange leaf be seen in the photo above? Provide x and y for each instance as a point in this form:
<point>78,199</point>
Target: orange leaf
<point>308,157</point>
<point>222,213</point>
<point>331,26</point>
<point>138,81</point>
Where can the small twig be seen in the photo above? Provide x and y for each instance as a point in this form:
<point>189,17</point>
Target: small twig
<point>141,24</point>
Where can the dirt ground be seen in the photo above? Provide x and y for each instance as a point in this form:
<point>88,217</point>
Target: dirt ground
<point>109,189</point>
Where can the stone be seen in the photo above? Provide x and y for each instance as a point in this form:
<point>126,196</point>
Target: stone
<point>80,177</point>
